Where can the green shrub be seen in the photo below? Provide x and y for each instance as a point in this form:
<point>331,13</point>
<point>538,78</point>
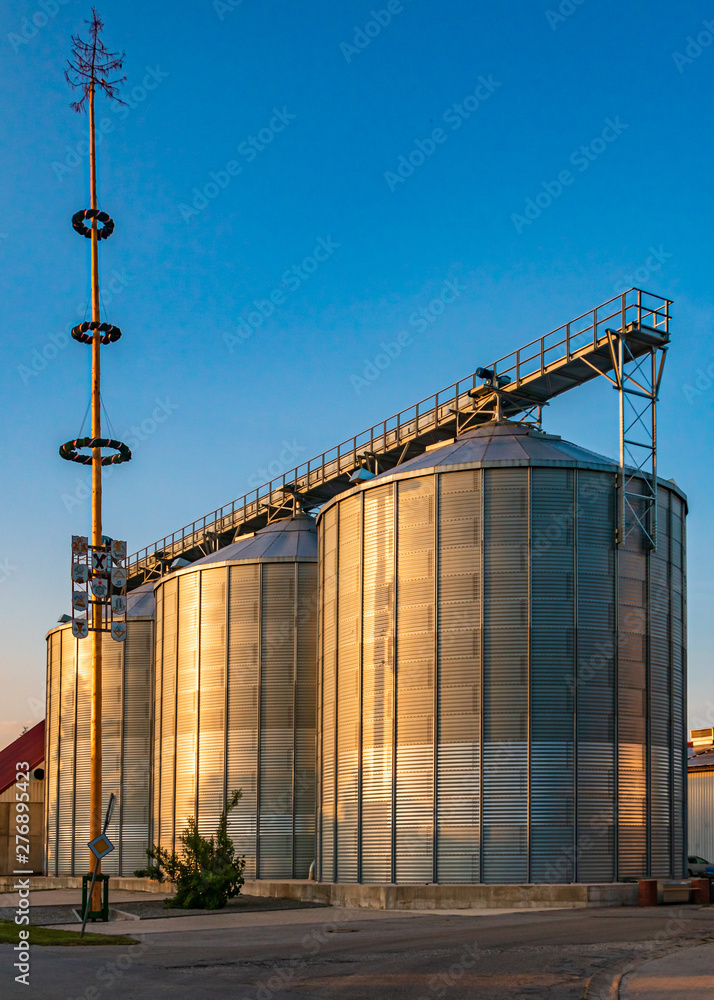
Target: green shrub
<point>207,873</point>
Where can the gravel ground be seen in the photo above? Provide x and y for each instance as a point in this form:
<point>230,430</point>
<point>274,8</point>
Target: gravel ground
<point>151,909</point>
<point>43,916</point>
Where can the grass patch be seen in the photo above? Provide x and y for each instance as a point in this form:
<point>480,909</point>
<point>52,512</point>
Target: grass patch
<point>49,935</point>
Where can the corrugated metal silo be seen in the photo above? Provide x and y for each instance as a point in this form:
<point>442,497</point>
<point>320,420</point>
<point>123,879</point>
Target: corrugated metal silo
<point>236,663</point>
<point>502,686</point>
<point>126,742</point>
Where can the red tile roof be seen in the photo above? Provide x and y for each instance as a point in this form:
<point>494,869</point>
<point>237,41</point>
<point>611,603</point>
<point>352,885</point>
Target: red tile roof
<point>29,747</point>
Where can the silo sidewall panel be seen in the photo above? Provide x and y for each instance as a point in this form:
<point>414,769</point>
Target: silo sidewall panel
<point>212,699</point>
<point>243,708</point>
<point>186,702</point>
<point>378,723</point>
<point>277,749</point>
<point>501,684</point>
<point>505,731</point>
<point>415,609</point>
<point>235,694</point>
<point>595,679</point>
<point>328,568</point>
<point>460,593</point>
<point>135,773</point>
<point>126,725</point>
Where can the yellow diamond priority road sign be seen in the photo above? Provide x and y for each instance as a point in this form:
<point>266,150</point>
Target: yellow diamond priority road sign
<point>100,846</point>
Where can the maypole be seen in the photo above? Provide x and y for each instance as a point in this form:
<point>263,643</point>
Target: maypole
<point>98,573</point>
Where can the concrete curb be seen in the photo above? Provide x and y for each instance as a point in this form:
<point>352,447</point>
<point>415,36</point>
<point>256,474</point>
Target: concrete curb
<point>606,984</point>
<point>114,915</point>
<point>129,883</point>
<point>681,951</point>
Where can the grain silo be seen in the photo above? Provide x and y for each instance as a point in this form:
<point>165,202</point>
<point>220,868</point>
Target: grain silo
<point>236,662</point>
<point>126,742</point>
<point>501,684</point>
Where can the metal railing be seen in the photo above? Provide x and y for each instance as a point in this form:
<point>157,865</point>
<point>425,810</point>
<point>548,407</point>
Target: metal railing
<point>634,306</point>
<point>556,348</point>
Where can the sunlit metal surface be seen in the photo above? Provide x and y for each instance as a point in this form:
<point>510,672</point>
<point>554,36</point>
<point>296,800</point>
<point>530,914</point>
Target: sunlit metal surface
<point>502,685</point>
<point>126,743</point>
<point>617,336</point>
<point>235,697</point>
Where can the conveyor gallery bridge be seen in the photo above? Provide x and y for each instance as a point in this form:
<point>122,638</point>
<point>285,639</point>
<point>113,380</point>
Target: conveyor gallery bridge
<point>623,340</point>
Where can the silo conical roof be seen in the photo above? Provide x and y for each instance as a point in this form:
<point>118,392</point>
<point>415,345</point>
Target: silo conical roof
<point>289,539</point>
<point>141,602</point>
<point>506,443</point>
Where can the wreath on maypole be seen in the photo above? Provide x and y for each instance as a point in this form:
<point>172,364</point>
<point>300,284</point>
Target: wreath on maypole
<point>108,333</point>
<point>70,451</point>
<point>93,213</point>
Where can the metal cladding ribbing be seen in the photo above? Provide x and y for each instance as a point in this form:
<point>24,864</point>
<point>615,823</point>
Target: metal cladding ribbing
<point>501,684</point>
<point>126,727</point>
<point>235,697</point>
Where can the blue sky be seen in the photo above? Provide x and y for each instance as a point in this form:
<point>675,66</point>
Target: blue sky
<point>257,129</point>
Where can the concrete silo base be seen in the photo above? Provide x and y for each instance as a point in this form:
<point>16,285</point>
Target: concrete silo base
<point>391,897</point>
<point>449,897</point>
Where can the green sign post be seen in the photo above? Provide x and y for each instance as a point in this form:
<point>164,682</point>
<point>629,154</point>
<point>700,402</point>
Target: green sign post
<point>100,846</point>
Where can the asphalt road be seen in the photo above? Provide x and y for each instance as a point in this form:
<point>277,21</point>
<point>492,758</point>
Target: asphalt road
<point>361,955</point>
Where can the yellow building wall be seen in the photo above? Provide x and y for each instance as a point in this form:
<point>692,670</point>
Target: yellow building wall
<point>8,828</point>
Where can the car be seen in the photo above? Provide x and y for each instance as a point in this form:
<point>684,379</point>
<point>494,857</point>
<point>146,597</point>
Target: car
<point>697,865</point>
<point>708,871</point>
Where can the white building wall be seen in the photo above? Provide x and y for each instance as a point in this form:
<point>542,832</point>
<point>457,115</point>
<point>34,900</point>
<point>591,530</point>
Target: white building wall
<point>701,814</point>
